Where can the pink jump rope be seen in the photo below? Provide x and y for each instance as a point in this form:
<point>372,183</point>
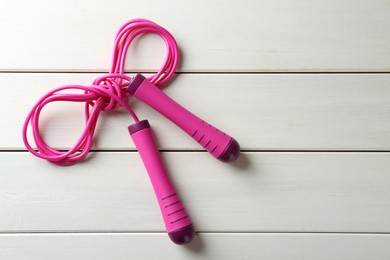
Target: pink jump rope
<point>112,91</point>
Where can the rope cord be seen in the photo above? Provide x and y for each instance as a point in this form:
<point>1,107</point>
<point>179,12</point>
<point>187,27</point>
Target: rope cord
<point>107,92</point>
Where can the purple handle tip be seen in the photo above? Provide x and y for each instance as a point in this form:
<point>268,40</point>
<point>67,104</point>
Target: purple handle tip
<point>138,126</point>
<point>135,83</point>
<point>231,153</point>
<point>182,236</point>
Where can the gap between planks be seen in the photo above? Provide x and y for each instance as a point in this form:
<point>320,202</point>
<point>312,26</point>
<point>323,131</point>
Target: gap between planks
<point>202,151</point>
<point>197,232</point>
<point>190,72</point>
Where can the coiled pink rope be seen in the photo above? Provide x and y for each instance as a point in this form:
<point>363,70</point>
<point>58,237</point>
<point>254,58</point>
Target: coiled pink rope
<point>106,93</point>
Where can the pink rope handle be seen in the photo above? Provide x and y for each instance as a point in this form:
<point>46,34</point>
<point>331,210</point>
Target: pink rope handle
<point>107,92</point>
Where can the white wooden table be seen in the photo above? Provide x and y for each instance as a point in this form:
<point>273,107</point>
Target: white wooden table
<point>303,85</point>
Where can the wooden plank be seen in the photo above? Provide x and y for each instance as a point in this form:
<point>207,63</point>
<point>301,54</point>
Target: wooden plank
<point>272,192</point>
<point>205,246</point>
<point>266,112</point>
<point>304,35</point>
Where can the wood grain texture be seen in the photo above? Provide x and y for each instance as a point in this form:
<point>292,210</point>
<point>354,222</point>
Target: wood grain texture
<point>288,204</point>
<point>205,246</point>
<point>272,192</point>
<point>265,112</point>
<point>265,35</point>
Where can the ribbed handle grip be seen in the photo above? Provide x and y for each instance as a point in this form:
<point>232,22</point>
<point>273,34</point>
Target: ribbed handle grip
<point>176,218</point>
<point>216,142</point>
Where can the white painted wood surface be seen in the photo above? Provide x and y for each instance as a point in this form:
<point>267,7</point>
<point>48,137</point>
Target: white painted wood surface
<point>276,202</point>
<point>265,111</point>
<point>262,192</point>
<point>204,246</point>
<point>246,35</point>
